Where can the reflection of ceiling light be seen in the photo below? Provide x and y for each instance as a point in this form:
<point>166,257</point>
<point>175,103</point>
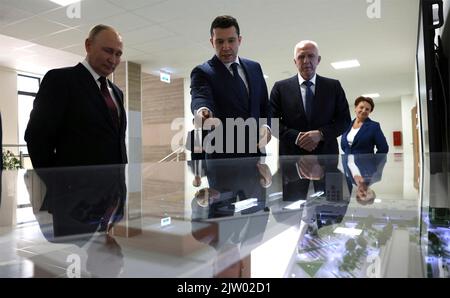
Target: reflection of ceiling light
<point>295,205</point>
<point>345,64</point>
<point>64,2</point>
<point>347,231</point>
<point>165,221</point>
<point>372,95</point>
<point>266,76</point>
<point>317,194</point>
<point>245,204</point>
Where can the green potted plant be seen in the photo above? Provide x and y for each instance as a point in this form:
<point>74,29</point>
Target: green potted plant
<point>10,161</point>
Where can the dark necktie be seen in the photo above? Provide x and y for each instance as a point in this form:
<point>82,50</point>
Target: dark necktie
<point>309,98</point>
<point>240,85</point>
<point>109,101</point>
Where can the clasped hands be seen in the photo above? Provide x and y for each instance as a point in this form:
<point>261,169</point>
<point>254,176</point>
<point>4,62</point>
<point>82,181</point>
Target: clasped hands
<point>309,140</point>
<point>310,168</point>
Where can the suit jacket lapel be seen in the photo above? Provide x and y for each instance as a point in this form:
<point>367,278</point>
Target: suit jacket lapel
<point>95,94</point>
<point>317,97</point>
<point>361,131</point>
<point>228,77</point>
<point>294,88</point>
<point>121,107</point>
<point>253,104</point>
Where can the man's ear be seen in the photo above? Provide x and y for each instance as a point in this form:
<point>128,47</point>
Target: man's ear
<point>87,45</point>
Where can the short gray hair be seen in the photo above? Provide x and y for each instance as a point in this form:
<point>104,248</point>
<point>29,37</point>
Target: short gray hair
<point>99,28</point>
<point>302,43</point>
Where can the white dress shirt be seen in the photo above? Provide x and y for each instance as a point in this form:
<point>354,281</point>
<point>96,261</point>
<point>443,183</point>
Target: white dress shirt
<point>352,166</point>
<point>351,135</point>
<point>303,91</point>
<point>303,87</point>
<point>240,71</point>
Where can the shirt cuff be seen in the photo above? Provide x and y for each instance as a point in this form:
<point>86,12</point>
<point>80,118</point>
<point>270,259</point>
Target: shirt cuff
<point>201,108</point>
<point>321,135</point>
<point>298,171</point>
<point>298,137</point>
<point>268,127</point>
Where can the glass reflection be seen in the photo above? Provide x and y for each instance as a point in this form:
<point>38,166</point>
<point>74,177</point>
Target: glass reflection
<point>231,213</point>
<point>84,204</point>
<point>362,171</point>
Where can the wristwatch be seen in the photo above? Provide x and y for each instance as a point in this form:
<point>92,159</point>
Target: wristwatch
<point>321,135</point>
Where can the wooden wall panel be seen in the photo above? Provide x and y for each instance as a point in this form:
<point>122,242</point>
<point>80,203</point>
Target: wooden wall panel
<point>161,104</point>
<point>134,85</point>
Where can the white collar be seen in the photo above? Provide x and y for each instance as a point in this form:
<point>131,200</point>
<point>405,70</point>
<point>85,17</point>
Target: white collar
<point>301,79</point>
<point>228,65</point>
<point>95,75</point>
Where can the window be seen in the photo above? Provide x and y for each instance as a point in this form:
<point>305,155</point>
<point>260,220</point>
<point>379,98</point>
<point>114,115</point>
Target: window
<point>27,87</point>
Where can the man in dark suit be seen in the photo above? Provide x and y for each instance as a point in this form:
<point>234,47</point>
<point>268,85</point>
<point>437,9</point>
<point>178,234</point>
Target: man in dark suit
<point>85,203</point>
<point>312,110</point>
<point>231,214</point>
<point>78,116</point>
<point>230,87</point>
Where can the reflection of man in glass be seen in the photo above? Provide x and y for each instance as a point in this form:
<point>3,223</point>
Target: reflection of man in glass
<point>299,172</point>
<point>85,203</point>
<point>230,215</point>
<point>105,258</point>
<point>316,181</point>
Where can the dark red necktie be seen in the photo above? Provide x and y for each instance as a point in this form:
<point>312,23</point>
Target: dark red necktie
<point>109,101</point>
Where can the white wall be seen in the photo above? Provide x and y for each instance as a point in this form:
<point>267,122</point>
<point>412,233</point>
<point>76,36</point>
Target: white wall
<point>446,9</point>
<point>407,103</point>
<point>9,105</point>
<point>389,115</point>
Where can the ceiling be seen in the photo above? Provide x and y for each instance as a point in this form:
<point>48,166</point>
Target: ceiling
<point>36,35</point>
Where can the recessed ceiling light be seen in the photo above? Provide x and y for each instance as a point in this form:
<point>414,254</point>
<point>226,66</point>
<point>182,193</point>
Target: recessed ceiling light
<point>372,95</point>
<point>345,64</point>
<point>64,2</point>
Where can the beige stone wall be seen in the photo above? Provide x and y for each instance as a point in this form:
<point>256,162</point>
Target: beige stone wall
<point>161,104</point>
